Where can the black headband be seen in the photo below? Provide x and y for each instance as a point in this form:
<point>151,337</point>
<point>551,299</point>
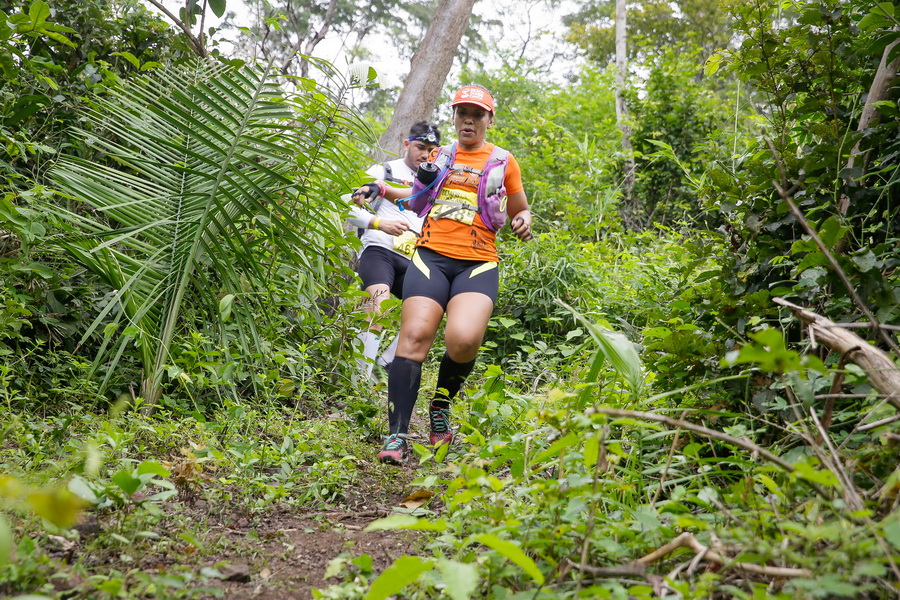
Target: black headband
<point>430,137</point>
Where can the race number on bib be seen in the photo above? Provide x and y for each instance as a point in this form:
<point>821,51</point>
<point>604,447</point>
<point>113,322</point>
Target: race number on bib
<point>405,243</point>
<point>457,205</point>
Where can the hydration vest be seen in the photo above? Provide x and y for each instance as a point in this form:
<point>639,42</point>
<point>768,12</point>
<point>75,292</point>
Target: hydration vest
<point>388,176</point>
<point>491,191</point>
<point>376,204</point>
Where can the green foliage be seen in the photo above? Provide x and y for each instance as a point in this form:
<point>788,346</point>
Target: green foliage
<point>126,487</point>
<point>654,28</point>
<point>688,114</point>
<point>244,459</point>
<point>563,486</point>
<point>213,201</point>
<point>813,110</point>
<point>258,411</point>
<point>64,53</point>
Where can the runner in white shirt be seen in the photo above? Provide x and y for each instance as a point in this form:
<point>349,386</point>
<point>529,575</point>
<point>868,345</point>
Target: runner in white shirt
<point>389,235</point>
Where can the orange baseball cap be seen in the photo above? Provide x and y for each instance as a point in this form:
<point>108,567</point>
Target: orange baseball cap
<point>478,96</point>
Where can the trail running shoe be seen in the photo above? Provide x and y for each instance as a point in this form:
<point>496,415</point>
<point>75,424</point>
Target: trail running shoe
<point>440,425</point>
<point>395,450</point>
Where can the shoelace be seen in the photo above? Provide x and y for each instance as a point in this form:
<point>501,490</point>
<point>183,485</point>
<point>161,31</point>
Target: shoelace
<point>395,441</point>
<point>440,420</point>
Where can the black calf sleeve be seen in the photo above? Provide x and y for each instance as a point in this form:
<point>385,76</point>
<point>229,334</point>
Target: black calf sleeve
<point>451,376</point>
<point>404,379</point>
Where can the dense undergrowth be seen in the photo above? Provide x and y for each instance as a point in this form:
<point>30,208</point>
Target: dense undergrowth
<point>644,420</point>
<point>548,494</point>
<point>538,498</point>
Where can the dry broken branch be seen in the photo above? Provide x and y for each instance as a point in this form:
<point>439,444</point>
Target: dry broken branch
<point>883,373</point>
<point>687,540</point>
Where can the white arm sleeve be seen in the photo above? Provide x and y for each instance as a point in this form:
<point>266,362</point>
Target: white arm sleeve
<point>360,217</point>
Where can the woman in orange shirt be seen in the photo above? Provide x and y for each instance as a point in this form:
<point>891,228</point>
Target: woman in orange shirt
<point>454,273</point>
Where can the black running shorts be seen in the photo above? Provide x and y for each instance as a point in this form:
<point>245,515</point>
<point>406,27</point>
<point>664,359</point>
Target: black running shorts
<point>380,265</point>
<point>440,278</point>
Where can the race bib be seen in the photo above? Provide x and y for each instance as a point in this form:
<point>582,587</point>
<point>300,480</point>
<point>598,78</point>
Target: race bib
<point>405,243</point>
<point>460,206</point>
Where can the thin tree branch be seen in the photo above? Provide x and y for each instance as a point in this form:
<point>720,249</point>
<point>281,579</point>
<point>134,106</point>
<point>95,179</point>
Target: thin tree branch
<point>599,467</point>
<point>195,43</point>
<point>675,423</point>
<point>879,423</point>
<point>665,471</point>
<point>836,384</point>
<point>705,431</point>
<point>202,37</point>
<point>851,494</point>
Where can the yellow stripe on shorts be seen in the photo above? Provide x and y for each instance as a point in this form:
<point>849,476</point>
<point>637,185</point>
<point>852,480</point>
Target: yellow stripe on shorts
<point>483,269</point>
<point>420,265</point>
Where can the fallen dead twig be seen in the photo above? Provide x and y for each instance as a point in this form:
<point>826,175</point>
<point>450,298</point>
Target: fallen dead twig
<point>687,540</point>
<point>883,373</point>
<point>707,432</point>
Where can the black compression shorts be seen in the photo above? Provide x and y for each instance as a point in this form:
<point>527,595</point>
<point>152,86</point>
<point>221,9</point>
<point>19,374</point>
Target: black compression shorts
<point>380,265</point>
<point>440,278</point>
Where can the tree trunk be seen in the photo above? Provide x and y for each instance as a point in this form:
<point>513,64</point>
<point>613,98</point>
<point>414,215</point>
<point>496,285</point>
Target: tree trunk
<point>622,106</point>
<point>881,84</point>
<point>428,71</point>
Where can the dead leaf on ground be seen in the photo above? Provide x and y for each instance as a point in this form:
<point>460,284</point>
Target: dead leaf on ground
<point>416,499</point>
<point>235,572</point>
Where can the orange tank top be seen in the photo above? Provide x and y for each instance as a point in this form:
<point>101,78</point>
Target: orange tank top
<point>458,233</point>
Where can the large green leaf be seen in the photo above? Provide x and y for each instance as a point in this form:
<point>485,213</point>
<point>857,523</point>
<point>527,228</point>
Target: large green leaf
<point>460,579</point>
<point>513,553</point>
<point>617,349</point>
<point>218,7</point>
<point>404,571</point>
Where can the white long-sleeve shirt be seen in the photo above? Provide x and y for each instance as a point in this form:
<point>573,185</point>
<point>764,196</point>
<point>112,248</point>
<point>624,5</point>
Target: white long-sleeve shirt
<point>385,209</point>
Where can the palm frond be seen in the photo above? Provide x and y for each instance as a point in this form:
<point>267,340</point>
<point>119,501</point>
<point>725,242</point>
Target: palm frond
<point>200,161</point>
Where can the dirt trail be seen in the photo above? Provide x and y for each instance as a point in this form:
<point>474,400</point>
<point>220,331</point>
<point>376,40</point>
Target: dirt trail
<point>283,554</point>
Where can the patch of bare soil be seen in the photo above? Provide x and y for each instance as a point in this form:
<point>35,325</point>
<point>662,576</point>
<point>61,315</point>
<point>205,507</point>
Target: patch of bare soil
<point>283,554</point>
